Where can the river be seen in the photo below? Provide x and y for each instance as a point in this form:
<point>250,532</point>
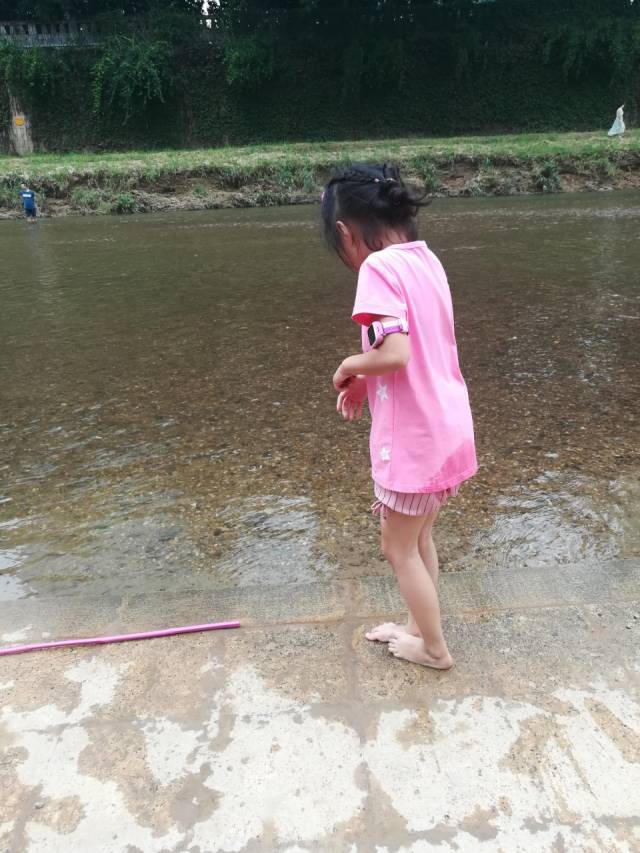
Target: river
<point>167,418</point>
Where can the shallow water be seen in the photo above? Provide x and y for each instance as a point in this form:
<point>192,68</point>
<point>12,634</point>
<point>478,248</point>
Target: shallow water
<point>167,416</point>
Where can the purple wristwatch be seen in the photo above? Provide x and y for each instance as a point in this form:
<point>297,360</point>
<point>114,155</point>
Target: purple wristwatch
<point>377,330</point>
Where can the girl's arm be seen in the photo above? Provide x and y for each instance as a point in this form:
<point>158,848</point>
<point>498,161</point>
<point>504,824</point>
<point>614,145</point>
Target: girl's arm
<point>392,354</point>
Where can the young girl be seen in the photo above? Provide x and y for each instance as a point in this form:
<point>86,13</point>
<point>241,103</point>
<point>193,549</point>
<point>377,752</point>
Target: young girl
<point>421,441</point>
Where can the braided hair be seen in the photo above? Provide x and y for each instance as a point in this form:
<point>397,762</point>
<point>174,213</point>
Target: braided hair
<point>373,197</point>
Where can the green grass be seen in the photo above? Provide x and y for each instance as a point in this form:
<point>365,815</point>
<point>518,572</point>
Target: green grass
<point>295,161</point>
<point>271,172</point>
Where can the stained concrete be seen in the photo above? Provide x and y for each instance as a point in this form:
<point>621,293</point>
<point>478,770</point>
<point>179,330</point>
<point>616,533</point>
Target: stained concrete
<point>294,734</point>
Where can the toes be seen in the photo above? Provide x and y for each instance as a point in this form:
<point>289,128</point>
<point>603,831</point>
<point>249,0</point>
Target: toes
<point>381,633</point>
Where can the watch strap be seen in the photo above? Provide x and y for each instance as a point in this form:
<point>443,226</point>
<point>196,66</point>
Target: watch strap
<point>392,326</point>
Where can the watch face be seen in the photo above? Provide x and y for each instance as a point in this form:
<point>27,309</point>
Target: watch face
<point>371,332</point>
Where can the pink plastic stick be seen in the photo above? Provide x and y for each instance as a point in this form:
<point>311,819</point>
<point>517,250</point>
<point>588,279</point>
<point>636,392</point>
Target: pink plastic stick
<point>118,638</point>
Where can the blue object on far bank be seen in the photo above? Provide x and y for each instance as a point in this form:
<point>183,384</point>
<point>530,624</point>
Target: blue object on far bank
<point>28,199</point>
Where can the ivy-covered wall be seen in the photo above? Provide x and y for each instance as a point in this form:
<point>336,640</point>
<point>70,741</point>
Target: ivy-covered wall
<point>309,96</point>
<point>307,102</point>
<point>59,96</point>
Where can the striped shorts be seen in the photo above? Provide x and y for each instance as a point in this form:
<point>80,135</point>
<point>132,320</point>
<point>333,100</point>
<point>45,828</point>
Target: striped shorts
<point>425,503</point>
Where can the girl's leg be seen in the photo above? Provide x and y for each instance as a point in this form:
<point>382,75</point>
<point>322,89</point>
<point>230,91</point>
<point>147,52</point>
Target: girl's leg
<point>400,539</point>
<point>429,555</point>
<point>387,631</point>
<point>427,547</point>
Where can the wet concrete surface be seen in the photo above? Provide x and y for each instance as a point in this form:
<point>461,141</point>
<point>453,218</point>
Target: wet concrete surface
<point>293,733</point>
<point>162,467</point>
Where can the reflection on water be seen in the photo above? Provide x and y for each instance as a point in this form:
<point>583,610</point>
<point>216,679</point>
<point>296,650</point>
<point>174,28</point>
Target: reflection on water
<point>11,587</point>
<point>167,418</point>
<point>560,519</point>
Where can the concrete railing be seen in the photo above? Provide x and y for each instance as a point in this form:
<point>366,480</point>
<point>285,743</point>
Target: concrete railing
<point>52,34</point>
<point>71,33</point>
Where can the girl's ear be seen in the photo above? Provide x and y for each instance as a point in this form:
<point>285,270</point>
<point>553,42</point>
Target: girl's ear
<point>347,237</point>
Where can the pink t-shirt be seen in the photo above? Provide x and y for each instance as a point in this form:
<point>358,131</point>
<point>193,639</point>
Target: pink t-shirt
<point>421,426</point>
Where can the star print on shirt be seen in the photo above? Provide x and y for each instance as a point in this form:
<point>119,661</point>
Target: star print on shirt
<point>385,454</point>
<point>382,392</point>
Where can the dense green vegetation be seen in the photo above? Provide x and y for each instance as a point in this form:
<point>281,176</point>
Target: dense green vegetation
<point>322,69</point>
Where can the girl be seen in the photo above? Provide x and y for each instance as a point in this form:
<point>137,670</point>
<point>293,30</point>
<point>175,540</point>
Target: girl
<point>421,441</point>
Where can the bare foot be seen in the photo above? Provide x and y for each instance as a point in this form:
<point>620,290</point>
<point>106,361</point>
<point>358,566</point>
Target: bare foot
<point>386,632</point>
<point>412,648</point>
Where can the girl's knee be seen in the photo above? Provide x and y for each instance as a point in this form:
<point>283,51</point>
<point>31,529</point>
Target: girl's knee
<point>389,545</point>
<point>397,553</point>
<point>388,550</point>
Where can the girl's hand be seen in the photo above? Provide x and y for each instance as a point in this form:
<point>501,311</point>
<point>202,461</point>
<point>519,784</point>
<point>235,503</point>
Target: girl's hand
<point>351,410</point>
<point>341,378</point>
<point>351,398</point>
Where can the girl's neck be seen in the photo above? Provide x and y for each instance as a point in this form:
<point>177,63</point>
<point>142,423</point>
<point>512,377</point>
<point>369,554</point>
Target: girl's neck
<point>392,238</point>
<point>362,251</point>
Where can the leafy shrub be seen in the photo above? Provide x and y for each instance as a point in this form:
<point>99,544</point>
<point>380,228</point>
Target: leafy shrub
<point>57,185</point>
<point>130,74</point>
<point>232,177</point>
<point>428,171</point>
<point>489,181</point>
<point>546,177</point>
<point>87,197</point>
<point>125,203</point>
<point>296,176</point>
<point>9,196</point>
<point>604,167</point>
<point>28,71</point>
<point>271,198</point>
<point>249,59</point>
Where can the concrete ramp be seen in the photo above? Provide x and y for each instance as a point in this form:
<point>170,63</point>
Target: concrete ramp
<point>295,734</point>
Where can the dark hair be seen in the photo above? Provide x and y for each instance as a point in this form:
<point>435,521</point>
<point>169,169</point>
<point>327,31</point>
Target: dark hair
<point>373,197</point>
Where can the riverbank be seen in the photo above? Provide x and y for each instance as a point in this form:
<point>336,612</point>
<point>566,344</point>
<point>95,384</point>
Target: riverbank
<point>261,176</point>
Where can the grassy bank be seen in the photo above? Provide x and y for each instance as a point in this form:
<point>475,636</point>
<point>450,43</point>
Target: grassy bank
<point>292,173</point>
